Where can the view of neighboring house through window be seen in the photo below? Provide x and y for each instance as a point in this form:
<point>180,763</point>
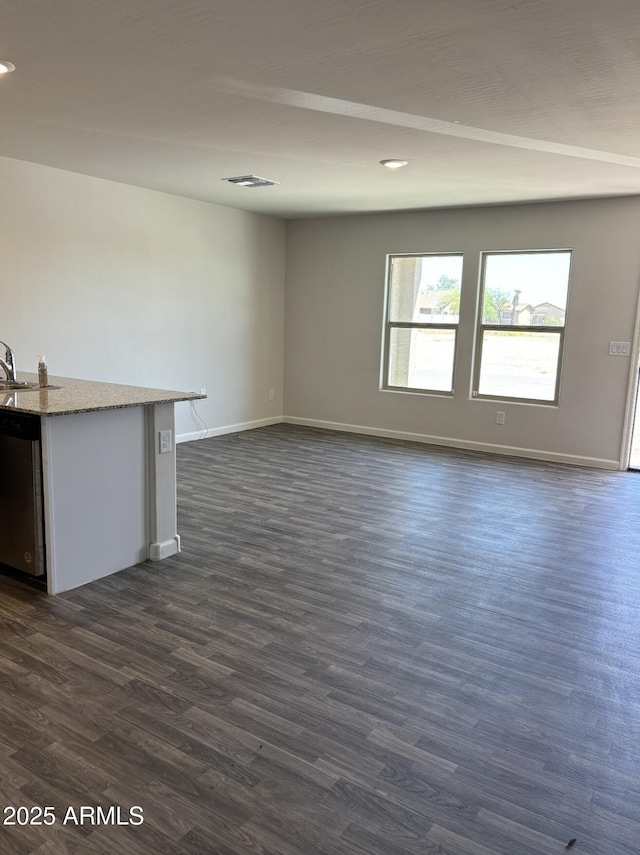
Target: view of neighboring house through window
<point>521,328</point>
<point>423,305</point>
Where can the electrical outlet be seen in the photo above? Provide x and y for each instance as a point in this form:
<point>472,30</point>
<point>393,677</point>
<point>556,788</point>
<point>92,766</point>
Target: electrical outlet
<point>271,394</point>
<point>203,391</point>
<point>165,441</point>
<point>500,417</point>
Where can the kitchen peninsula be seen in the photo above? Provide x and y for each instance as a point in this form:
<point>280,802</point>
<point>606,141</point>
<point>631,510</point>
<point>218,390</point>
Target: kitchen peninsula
<point>108,476</point>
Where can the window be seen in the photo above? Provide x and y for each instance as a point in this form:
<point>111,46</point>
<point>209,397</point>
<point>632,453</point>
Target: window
<point>521,325</point>
<point>423,304</point>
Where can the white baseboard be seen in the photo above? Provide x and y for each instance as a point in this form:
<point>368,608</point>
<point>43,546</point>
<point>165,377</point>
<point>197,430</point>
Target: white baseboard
<point>451,442</point>
<point>219,431</point>
<point>158,551</point>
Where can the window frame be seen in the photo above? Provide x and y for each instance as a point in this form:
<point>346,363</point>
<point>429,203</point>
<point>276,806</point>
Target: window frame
<point>481,328</point>
<point>389,325</point>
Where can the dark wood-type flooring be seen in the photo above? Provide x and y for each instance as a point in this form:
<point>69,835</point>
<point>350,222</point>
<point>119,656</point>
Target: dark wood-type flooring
<point>366,647</point>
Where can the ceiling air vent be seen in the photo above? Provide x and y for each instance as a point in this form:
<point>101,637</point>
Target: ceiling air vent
<point>251,181</point>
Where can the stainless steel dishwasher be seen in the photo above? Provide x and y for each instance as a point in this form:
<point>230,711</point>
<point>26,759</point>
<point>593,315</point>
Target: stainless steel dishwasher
<point>21,507</point>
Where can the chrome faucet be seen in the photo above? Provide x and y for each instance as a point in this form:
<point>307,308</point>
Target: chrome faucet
<point>8,364</point>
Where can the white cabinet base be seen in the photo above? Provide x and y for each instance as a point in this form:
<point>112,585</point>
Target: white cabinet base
<point>109,496</point>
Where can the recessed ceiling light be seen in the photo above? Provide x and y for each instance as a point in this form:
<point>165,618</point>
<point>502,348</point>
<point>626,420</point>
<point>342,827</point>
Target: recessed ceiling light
<point>6,67</point>
<point>251,181</point>
<point>393,163</point>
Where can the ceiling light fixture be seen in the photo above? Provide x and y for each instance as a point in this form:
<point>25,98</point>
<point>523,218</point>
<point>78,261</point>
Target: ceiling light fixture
<point>6,67</point>
<point>394,163</point>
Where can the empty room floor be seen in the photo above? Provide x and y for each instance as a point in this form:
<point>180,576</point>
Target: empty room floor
<point>365,646</point>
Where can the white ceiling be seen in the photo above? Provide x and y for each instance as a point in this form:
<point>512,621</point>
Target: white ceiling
<point>490,101</point>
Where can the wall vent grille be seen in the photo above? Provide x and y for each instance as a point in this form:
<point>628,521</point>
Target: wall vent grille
<point>251,181</point>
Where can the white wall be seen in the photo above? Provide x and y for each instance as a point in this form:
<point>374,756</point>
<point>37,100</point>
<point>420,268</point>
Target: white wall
<point>334,318</point>
<point>126,285</point>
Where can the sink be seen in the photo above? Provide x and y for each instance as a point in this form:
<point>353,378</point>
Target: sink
<point>23,386</point>
<point>10,386</point>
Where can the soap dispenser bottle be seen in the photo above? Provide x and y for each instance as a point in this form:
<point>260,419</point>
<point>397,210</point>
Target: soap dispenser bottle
<point>43,373</point>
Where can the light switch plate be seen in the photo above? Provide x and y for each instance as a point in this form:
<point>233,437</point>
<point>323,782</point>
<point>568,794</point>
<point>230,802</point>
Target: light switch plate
<point>619,348</point>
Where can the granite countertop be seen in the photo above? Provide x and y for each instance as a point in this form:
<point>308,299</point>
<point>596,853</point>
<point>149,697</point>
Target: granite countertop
<point>67,395</point>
